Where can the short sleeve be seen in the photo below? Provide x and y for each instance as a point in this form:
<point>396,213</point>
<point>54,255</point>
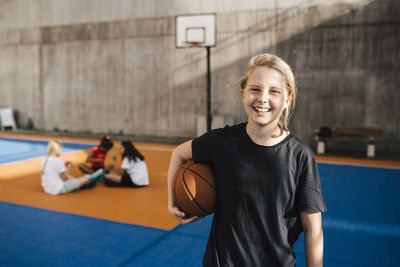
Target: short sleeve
<point>60,166</point>
<point>125,163</point>
<point>204,145</point>
<point>309,195</point>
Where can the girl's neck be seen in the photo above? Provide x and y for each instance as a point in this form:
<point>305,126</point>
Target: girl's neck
<point>262,135</point>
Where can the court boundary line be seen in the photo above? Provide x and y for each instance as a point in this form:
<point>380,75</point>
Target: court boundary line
<point>388,164</point>
<point>41,157</point>
<point>85,216</point>
<point>357,164</point>
<point>41,141</point>
<point>45,140</point>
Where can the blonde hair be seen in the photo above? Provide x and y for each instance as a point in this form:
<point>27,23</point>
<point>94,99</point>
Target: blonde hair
<point>53,148</point>
<point>276,63</point>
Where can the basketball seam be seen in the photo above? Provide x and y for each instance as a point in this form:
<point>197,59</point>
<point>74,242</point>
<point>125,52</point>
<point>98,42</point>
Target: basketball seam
<point>205,180</point>
<point>174,187</point>
<point>185,167</point>
<point>176,178</point>
<point>194,200</point>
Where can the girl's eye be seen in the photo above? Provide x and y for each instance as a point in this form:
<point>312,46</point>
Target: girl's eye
<point>254,89</point>
<point>275,91</point>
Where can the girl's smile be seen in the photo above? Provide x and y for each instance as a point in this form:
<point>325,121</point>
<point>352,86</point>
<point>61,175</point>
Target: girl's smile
<point>261,109</point>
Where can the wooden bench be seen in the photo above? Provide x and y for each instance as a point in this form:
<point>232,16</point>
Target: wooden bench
<point>367,135</point>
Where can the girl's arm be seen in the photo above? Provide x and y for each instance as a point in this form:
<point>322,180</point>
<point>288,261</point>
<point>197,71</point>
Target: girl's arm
<point>119,170</point>
<point>114,167</point>
<point>64,176</point>
<point>114,159</point>
<point>180,155</point>
<point>313,238</point>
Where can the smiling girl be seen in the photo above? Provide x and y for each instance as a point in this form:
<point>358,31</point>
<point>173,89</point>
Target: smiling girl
<point>268,186</point>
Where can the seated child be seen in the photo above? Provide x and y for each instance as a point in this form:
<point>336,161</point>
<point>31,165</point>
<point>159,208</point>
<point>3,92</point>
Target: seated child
<point>133,171</point>
<point>55,177</point>
<point>97,156</point>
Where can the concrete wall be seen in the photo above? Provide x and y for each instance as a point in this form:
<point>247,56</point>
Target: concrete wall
<point>112,66</point>
<point>347,70</point>
<point>39,13</point>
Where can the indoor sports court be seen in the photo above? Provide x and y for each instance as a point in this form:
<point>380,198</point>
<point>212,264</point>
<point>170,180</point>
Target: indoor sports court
<point>161,73</point>
<point>117,227</point>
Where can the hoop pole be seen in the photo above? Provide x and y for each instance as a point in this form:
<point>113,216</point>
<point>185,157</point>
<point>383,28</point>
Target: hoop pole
<point>209,117</point>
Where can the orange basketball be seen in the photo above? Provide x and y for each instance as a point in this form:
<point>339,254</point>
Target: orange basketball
<point>194,189</point>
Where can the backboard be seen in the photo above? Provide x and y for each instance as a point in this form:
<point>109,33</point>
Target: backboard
<point>195,30</point>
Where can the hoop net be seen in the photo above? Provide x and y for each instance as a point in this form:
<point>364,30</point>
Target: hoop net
<point>193,44</point>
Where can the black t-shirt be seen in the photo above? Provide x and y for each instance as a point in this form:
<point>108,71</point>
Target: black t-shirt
<point>260,192</point>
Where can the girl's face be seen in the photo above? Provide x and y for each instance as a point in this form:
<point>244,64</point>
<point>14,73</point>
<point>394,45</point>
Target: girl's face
<point>265,96</point>
<point>121,149</point>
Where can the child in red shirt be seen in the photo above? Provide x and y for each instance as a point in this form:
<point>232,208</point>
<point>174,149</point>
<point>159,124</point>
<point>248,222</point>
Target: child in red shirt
<point>97,156</point>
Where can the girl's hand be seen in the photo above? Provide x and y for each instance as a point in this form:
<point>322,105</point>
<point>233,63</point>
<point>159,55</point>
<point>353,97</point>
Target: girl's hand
<point>180,215</point>
<point>181,154</point>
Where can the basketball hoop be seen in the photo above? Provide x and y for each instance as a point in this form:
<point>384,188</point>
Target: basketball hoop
<point>195,30</point>
<point>198,31</point>
<point>193,44</point>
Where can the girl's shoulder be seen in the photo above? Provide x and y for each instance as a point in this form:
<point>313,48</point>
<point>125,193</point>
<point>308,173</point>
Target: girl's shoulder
<point>233,131</point>
<point>54,160</point>
<point>299,147</point>
<point>223,132</point>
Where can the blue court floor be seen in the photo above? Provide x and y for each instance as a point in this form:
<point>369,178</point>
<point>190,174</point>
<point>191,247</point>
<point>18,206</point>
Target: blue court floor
<point>16,149</point>
<point>361,228</point>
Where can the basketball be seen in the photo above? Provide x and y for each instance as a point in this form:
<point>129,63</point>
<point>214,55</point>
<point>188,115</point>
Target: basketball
<point>194,189</point>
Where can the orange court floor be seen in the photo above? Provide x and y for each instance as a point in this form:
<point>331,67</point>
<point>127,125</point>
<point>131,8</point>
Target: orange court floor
<point>20,184</point>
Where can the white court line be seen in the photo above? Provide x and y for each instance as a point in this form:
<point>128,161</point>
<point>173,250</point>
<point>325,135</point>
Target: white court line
<point>42,141</point>
<point>40,157</point>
